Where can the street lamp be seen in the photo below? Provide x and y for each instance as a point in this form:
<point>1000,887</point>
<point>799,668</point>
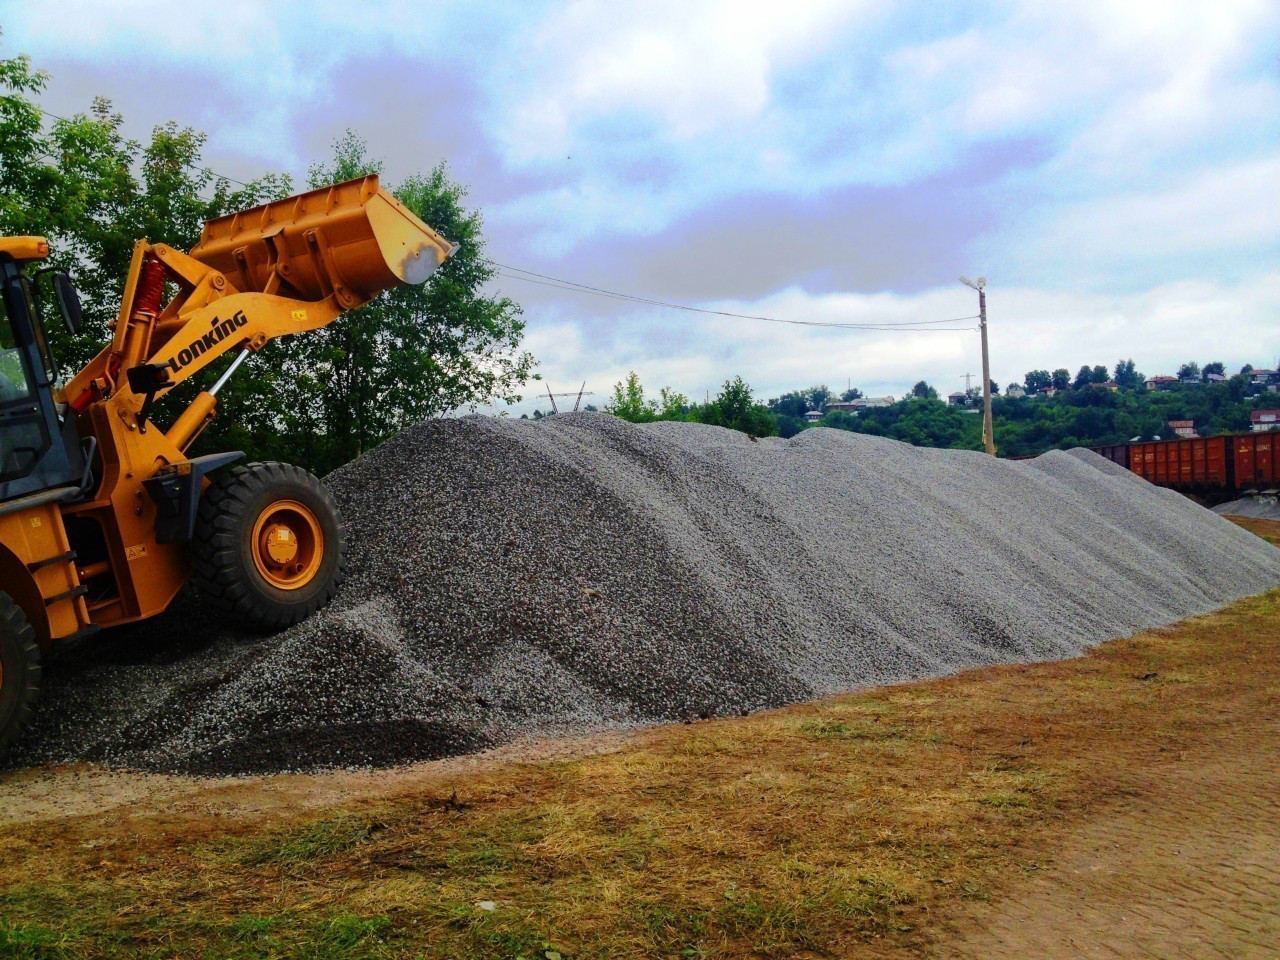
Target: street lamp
<point>988,437</point>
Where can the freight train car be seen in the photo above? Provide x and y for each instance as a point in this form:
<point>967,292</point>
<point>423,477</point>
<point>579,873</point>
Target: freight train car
<point>1193,465</point>
<point>1212,467</point>
<point>1115,452</point>
<point>1256,461</point>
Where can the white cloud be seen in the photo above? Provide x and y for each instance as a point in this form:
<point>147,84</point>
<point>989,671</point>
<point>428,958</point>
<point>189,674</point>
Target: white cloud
<point>1030,328</point>
<point>694,68</point>
<point>1224,219</point>
<point>1139,143</point>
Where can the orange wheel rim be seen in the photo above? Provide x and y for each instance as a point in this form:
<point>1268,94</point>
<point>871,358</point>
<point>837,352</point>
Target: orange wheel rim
<point>287,545</point>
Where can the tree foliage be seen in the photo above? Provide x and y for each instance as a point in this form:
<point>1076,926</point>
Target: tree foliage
<point>319,399</point>
<point>1127,376</point>
<point>735,407</point>
<point>630,403</point>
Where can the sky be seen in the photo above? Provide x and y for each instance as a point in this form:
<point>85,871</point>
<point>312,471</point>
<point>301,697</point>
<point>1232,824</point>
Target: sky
<point>1113,169</point>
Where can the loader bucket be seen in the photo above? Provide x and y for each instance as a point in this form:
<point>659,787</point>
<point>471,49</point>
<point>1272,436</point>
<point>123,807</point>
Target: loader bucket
<point>352,240</point>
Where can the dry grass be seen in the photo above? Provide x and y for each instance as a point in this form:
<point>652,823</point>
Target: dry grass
<point>848,826</point>
<point>1268,530</point>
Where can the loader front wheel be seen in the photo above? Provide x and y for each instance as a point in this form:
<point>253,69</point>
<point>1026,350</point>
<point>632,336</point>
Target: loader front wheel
<point>19,672</point>
<point>268,549</point>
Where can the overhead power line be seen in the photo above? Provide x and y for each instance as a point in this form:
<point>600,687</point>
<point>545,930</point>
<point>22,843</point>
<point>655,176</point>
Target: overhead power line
<point>904,326</point>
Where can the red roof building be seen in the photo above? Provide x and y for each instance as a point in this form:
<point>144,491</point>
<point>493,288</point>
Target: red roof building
<point>1264,419</point>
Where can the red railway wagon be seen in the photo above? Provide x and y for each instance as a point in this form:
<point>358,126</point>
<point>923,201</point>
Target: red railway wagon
<point>1195,463</point>
<point>1256,460</point>
<point>1115,452</point>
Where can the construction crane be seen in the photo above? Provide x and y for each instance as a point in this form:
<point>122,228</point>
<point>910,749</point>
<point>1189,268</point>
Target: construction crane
<point>103,515</point>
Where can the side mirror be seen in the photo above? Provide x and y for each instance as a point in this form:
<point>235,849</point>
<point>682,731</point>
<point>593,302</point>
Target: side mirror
<point>68,301</point>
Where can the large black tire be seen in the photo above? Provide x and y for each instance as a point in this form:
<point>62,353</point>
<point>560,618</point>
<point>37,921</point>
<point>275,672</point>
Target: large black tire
<point>232,568</point>
<point>19,672</point>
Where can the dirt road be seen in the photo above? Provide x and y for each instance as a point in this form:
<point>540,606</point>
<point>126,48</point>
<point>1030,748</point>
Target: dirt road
<point>1187,865</point>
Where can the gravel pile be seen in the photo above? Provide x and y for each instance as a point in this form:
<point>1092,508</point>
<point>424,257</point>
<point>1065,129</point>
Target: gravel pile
<point>513,578</point>
<point>1260,508</point>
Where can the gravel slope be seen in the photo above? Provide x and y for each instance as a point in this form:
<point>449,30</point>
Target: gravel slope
<point>1259,508</point>
<point>513,578</point>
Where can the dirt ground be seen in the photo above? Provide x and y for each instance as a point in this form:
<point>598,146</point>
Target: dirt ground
<point>1186,865</point>
<point>1123,804</point>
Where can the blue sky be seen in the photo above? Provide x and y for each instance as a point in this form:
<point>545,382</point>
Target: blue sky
<point>1113,169</point>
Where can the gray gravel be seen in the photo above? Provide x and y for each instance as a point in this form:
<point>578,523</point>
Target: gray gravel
<point>513,578</point>
<point>1259,507</point>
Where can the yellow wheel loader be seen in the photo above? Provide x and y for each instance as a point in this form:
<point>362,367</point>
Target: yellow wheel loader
<point>103,515</point>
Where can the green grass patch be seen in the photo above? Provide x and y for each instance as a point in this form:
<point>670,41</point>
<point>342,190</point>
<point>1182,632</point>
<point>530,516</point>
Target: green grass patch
<point>311,842</point>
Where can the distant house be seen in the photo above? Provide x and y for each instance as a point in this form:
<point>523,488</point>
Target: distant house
<point>1048,391</point>
<point>1183,428</point>
<point>958,399</point>
<point>1014,392</point>
<point>1215,378</point>
<point>1162,383</point>
<point>813,416</point>
<point>848,406</point>
<point>872,402</point>
<point>1264,420</point>
<point>1264,378</point>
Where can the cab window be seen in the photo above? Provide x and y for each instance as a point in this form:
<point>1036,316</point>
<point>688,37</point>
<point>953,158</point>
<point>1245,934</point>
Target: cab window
<point>37,330</point>
<point>14,384</point>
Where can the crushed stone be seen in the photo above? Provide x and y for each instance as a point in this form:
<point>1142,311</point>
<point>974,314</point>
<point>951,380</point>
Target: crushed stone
<point>1261,507</point>
<point>513,579</point>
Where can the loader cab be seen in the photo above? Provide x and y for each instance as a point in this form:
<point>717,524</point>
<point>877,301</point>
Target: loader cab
<point>38,450</point>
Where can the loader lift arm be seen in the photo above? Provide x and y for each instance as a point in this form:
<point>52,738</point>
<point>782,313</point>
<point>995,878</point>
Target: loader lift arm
<point>282,268</point>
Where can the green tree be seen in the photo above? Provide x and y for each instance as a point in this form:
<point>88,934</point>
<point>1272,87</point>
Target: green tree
<point>1061,379</point>
<point>793,404</point>
<point>1217,367</point>
<point>629,402</point>
<point>735,407</point>
<point>817,398</point>
<point>1037,380</point>
<point>1189,371</point>
<point>853,393</point>
<point>922,391</point>
<point>1127,375</point>
<point>840,420</point>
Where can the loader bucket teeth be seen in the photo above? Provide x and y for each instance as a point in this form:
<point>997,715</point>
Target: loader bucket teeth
<point>350,241</point>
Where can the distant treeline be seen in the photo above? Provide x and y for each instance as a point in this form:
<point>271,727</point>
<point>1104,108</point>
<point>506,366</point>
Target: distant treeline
<point>1089,409</point>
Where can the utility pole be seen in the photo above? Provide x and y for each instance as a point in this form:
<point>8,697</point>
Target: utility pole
<point>988,437</point>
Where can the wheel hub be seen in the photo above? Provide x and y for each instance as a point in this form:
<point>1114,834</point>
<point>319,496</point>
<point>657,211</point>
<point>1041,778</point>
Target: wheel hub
<point>288,545</point>
<point>282,543</point>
